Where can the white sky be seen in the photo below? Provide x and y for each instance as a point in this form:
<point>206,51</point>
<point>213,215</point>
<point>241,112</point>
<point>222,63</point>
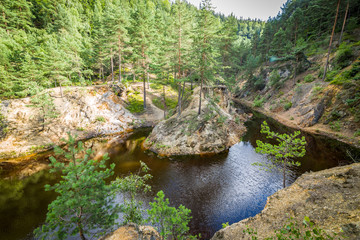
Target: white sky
<point>260,9</point>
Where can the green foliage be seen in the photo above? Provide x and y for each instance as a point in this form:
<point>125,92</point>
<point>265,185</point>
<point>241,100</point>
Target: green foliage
<point>258,102</point>
<point>293,230</point>
<point>309,78</point>
<point>224,225</point>
<point>171,102</point>
<point>287,106</point>
<point>85,204</point>
<point>171,221</point>
<point>130,186</point>
<point>275,78</point>
<point>100,119</point>
<point>343,56</point>
<point>136,103</point>
<point>335,126</point>
<point>357,133</point>
<point>290,146</point>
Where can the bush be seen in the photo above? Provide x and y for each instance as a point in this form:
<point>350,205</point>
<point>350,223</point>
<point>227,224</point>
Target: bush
<point>309,78</point>
<point>287,106</point>
<point>100,119</point>
<point>258,102</point>
<point>274,78</point>
<point>335,126</point>
<point>172,221</point>
<point>343,56</point>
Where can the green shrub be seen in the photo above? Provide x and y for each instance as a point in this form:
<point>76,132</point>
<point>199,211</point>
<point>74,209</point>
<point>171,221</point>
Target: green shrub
<point>172,221</point>
<point>287,106</point>
<point>335,126</point>
<point>100,119</point>
<point>156,86</point>
<point>258,102</point>
<point>330,75</point>
<point>357,133</point>
<point>343,56</point>
<point>274,78</point>
<point>309,78</point>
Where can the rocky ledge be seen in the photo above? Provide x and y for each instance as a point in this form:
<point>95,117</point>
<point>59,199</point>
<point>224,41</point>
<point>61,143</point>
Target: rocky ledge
<point>85,111</point>
<point>216,129</point>
<point>330,198</point>
<point>133,232</point>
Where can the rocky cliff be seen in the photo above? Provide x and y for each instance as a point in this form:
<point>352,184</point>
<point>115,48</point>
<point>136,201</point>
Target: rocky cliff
<point>216,129</point>
<point>86,112</point>
<point>330,198</point>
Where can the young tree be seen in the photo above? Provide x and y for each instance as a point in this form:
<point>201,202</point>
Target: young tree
<point>290,146</point>
<point>85,203</point>
<point>129,187</point>
<point>45,103</point>
<point>173,222</point>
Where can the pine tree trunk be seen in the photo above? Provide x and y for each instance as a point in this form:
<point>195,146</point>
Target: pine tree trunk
<point>201,85</point>
<point>112,67</point>
<point>144,86</point>
<point>343,26</point>
<point>165,107</point>
<point>284,173</point>
<point>119,67</point>
<point>179,100</point>
<point>61,90</point>
<point>330,44</point>
<point>148,79</point>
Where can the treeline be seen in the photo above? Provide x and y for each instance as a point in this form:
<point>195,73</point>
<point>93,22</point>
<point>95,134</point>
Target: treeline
<point>48,43</point>
<point>305,24</point>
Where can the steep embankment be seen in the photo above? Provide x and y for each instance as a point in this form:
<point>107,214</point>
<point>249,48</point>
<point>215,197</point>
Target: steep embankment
<point>216,129</point>
<point>330,198</point>
<point>296,95</point>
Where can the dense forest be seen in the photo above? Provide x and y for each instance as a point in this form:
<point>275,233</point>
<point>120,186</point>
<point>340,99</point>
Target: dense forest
<point>74,42</point>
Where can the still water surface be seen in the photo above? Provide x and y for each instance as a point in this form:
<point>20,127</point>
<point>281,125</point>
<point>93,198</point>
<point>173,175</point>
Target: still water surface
<point>218,189</point>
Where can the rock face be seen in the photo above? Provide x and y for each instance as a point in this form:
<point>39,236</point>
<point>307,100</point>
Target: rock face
<point>86,112</point>
<point>330,198</point>
<point>213,131</point>
<point>133,232</point>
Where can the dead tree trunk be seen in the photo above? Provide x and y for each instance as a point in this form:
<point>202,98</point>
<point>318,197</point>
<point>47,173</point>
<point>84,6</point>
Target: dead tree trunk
<point>343,26</point>
<point>330,44</point>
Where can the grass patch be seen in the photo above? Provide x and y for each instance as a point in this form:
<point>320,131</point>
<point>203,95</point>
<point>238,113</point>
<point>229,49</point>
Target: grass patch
<point>171,103</point>
<point>309,78</point>
<point>136,102</point>
<point>100,119</point>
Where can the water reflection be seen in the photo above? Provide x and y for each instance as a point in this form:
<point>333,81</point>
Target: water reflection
<point>218,189</point>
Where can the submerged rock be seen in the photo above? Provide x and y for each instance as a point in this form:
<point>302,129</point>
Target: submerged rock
<point>330,198</point>
<point>213,131</point>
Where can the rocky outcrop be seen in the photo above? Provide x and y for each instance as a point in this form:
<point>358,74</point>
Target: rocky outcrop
<point>330,198</point>
<point>133,232</point>
<point>213,131</point>
<point>86,112</point>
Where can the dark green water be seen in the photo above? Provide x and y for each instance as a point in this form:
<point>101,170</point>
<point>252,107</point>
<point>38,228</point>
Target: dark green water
<point>218,189</point>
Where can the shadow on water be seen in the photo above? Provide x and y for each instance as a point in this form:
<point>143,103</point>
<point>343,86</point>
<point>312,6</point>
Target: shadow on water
<point>218,189</point>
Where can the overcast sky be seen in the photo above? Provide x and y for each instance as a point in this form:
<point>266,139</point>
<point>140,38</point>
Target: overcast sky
<point>260,9</point>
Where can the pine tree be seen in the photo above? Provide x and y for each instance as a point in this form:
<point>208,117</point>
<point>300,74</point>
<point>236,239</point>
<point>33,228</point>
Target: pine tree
<point>85,205</point>
<point>204,41</point>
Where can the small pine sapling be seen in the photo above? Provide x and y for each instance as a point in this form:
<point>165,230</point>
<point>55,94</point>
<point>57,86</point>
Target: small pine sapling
<point>289,147</point>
